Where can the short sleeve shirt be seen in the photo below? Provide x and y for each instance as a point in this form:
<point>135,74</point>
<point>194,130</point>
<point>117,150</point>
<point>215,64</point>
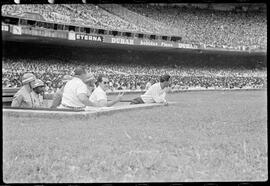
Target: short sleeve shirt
<point>97,95</point>
<point>154,94</point>
<point>72,89</point>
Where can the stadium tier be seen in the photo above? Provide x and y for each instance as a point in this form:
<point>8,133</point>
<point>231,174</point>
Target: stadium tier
<point>211,28</point>
<point>224,29</point>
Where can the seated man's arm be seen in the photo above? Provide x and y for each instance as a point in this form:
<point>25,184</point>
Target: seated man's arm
<point>163,97</point>
<point>118,99</point>
<point>103,102</point>
<point>82,96</point>
<point>56,100</point>
<point>159,98</point>
<point>17,100</point>
<point>113,102</point>
<point>84,99</point>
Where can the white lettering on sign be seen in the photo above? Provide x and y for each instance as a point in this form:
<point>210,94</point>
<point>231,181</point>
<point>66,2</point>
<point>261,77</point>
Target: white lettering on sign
<point>17,30</point>
<point>182,45</point>
<point>88,37</point>
<point>149,43</point>
<point>123,41</point>
<point>166,44</point>
<point>4,28</point>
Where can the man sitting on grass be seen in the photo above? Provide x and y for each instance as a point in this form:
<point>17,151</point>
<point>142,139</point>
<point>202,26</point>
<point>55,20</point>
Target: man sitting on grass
<point>156,93</point>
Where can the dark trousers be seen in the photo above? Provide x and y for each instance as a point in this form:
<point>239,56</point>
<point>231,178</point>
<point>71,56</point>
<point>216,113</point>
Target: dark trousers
<point>137,100</point>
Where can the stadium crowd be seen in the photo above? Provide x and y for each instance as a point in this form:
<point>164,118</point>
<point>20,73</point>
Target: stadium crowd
<point>209,28</point>
<point>102,17</point>
<point>131,76</point>
<point>76,14</point>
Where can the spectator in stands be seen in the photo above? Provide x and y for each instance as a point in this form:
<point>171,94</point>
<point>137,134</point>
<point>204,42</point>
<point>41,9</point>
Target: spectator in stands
<point>75,92</point>
<point>57,98</point>
<point>207,27</point>
<point>156,93</point>
<point>23,97</point>
<point>99,96</point>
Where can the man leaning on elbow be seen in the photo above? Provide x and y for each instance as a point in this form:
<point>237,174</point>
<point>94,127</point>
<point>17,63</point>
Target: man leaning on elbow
<point>156,93</point>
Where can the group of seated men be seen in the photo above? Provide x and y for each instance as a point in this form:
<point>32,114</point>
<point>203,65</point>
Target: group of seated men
<point>82,90</point>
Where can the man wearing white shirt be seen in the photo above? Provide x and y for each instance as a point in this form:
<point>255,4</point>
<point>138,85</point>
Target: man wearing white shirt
<point>156,93</point>
<point>57,98</point>
<point>75,92</point>
<point>90,83</point>
<point>99,96</point>
<point>149,84</point>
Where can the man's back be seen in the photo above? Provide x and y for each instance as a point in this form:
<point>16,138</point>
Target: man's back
<point>71,91</point>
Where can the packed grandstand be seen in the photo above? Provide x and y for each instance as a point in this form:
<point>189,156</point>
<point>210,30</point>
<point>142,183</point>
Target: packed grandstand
<point>208,27</point>
<point>205,26</point>
<point>133,76</point>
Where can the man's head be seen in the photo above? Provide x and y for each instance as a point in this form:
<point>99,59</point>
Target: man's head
<point>28,79</point>
<point>165,80</point>
<point>103,82</point>
<point>80,73</point>
<point>39,86</point>
<point>152,81</point>
<point>66,78</point>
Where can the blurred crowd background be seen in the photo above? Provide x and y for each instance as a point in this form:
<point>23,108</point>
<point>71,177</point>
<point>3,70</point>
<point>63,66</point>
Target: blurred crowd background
<point>208,27</point>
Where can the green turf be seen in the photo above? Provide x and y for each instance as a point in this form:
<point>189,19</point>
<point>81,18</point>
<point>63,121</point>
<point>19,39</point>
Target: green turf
<point>208,136</point>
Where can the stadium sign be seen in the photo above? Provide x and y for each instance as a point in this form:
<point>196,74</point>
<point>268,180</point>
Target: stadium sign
<point>149,43</point>
<point>182,45</point>
<point>17,30</point>
<point>166,44</point>
<point>89,37</point>
<point>5,28</point>
<point>123,41</point>
<point>155,43</point>
<point>40,32</point>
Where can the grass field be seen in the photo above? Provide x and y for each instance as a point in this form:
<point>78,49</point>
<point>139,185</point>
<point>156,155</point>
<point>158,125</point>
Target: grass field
<point>207,136</point>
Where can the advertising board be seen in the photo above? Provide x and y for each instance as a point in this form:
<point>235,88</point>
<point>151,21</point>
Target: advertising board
<point>5,28</point>
<point>17,30</point>
<point>88,37</point>
<point>147,42</point>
